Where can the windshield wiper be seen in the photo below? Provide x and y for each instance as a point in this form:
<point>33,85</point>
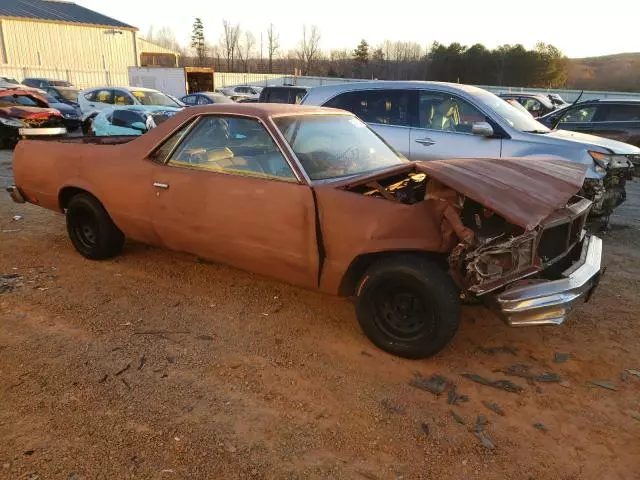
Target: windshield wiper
<point>542,132</point>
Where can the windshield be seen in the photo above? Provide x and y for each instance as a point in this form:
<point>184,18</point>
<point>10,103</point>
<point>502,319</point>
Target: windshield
<point>24,100</point>
<point>153,98</point>
<point>333,146</point>
<point>59,83</point>
<point>9,80</point>
<point>69,94</point>
<point>514,117</point>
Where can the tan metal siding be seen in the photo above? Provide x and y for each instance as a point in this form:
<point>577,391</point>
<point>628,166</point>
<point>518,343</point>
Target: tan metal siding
<point>145,46</point>
<point>46,44</point>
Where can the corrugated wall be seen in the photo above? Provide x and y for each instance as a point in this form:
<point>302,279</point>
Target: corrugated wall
<point>146,46</point>
<point>43,44</point>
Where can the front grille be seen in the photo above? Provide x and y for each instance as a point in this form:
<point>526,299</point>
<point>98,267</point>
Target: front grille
<point>555,241</point>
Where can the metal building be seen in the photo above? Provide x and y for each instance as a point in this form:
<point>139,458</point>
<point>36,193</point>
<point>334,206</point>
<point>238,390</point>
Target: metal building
<point>58,38</point>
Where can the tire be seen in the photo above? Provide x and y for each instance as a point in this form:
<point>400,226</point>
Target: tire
<point>408,306</point>
<point>91,230</point>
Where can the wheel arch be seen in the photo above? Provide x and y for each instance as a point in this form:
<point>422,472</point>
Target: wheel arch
<point>67,192</point>
<point>361,263</point>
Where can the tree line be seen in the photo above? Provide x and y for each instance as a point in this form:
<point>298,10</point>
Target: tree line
<point>239,50</point>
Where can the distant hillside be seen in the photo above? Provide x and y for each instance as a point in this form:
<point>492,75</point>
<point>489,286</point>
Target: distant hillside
<point>619,72</point>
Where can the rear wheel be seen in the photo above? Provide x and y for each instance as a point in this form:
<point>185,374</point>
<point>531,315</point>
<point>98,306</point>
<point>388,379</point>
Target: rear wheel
<point>408,306</point>
<point>91,230</point>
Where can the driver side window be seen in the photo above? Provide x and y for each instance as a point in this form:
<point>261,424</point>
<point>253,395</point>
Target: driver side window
<point>238,146</point>
<point>579,115</point>
<point>440,111</point>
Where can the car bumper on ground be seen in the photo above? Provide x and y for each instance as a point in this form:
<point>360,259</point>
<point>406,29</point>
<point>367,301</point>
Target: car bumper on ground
<point>549,302</point>
<point>42,132</point>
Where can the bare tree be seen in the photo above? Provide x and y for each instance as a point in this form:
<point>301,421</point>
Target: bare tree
<point>166,37</point>
<point>229,42</point>
<point>245,48</point>
<point>273,43</point>
<point>309,48</point>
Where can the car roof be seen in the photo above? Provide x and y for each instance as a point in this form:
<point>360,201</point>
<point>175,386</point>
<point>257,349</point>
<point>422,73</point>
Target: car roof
<point>286,86</point>
<point>326,92</point>
<point>115,87</point>
<point>209,94</point>
<point>523,94</point>
<point>611,100</point>
<point>261,110</point>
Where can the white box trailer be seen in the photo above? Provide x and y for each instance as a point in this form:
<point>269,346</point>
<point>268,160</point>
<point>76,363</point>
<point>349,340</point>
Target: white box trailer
<point>176,81</point>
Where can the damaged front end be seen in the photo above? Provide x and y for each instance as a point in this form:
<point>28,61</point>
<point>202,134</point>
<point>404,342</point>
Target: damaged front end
<point>537,276</point>
<point>608,192</point>
<point>514,232</point>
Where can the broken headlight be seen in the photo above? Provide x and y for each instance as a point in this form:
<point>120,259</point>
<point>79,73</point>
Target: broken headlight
<point>504,259</point>
<point>606,161</point>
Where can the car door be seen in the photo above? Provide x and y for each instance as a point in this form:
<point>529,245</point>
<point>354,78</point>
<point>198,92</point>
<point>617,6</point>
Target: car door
<point>228,193</point>
<point>618,121</point>
<point>100,99</point>
<point>122,97</point>
<point>579,118</point>
<point>389,112</point>
<point>444,130</point>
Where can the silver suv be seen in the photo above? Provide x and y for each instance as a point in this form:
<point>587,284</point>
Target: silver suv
<point>433,120</point>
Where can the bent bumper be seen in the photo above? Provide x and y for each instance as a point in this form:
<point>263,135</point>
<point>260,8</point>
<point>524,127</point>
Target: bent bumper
<point>549,302</point>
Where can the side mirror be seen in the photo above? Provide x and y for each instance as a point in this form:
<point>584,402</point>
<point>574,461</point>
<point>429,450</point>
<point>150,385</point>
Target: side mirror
<point>483,129</point>
<point>139,126</point>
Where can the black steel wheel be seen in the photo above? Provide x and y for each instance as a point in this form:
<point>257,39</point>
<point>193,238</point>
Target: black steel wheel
<point>408,306</point>
<point>91,230</point>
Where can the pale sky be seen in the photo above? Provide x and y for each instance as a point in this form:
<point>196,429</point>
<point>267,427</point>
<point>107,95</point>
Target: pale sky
<point>578,30</point>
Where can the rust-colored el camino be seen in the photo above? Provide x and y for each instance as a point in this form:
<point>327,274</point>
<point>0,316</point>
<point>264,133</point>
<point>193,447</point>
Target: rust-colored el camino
<point>313,197</point>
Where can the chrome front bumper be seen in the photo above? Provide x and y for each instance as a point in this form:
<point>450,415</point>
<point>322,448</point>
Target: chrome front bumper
<point>549,302</point>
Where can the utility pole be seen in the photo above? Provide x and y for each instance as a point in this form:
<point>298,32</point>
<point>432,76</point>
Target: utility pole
<point>260,49</point>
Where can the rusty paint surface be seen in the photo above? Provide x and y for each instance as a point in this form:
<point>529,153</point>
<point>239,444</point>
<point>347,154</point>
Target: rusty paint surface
<point>524,191</point>
<point>302,234</point>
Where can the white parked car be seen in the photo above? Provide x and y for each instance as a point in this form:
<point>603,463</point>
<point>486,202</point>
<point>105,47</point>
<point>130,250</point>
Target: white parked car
<point>96,99</point>
<point>247,91</point>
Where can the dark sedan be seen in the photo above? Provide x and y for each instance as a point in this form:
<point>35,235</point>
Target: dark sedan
<point>205,98</point>
<point>68,95</point>
<point>70,113</point>
<point>614,119</point>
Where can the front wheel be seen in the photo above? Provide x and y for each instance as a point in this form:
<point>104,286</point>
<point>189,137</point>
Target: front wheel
<point>91,230</point>
<point>408,306</point>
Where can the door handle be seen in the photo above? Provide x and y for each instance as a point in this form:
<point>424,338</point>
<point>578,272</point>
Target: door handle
<point>425,141</point>
<point>164,186</point>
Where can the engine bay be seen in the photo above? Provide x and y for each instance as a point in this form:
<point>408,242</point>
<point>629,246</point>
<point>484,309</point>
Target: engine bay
<point>496,253</point>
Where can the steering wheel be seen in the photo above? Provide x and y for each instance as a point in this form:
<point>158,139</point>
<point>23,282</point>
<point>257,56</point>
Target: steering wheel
<point>194,155</point>
<point>349,158</point>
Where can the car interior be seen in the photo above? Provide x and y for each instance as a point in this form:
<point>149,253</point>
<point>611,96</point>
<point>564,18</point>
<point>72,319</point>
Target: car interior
<point>447,114</point>
<point>234,146</point>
